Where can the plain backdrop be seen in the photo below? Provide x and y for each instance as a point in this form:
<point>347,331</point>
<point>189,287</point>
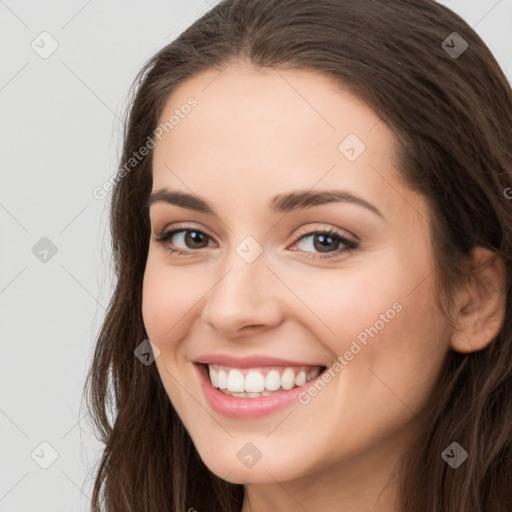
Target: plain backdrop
<point>60,138</point>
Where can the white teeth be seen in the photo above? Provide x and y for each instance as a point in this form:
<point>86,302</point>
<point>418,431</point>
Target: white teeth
<point>236,381</point>
<point>253,383</point>
<point>288,379</point>
<point>272,380</point>
<point>248,395</point>
<point>300,380</point>
<point>222,379</point>
<point>214,377</point>
<point>314,373</point>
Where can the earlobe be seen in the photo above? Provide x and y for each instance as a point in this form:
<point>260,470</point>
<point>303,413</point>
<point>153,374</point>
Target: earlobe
<point>481,304</point>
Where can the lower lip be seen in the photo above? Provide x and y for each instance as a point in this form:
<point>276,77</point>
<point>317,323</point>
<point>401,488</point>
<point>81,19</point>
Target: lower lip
<point>238,407</point>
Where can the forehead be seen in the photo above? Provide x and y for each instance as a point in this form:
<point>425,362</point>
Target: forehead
<point>261,132</point>
<point>269,102</point>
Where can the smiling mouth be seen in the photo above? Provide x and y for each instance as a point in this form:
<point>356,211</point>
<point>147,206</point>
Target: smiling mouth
<point>261,381</point>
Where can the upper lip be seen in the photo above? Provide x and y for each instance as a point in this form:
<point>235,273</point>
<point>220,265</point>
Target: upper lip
<point>248,361</point>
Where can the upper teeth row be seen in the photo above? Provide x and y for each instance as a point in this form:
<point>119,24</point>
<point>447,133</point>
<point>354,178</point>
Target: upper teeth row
<point>255,382</point>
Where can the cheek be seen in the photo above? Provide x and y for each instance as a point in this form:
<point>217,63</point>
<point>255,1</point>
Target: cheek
<point>346,309</point>
<point>172,298</point>
<point>375,322</point>
<point>168,296</point>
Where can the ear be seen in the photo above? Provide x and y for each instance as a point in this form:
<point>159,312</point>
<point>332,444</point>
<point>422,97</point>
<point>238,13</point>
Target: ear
<point>481,304</point>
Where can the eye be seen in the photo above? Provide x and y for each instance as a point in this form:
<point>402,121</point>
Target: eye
<point>193,239</point>
<point>326,243</point>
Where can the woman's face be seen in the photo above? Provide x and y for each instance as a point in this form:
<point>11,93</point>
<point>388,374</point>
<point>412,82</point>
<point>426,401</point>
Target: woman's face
<point>268,297</point>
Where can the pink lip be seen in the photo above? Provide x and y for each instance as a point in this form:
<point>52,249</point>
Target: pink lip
<point>237,407</point>
<point>248,361</point>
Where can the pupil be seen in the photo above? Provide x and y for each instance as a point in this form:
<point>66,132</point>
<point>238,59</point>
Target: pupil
<point>324,238</point>
<point>194,237</point>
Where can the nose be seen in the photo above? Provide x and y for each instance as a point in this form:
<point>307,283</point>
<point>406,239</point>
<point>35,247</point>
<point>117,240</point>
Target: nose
<point>243,299</point>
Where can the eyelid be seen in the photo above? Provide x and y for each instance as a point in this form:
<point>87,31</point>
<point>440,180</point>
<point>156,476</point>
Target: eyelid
<point>319,227</point>
<point>184,226</point>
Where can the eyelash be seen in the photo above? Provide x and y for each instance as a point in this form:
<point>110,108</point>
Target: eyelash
<point>163,237</point>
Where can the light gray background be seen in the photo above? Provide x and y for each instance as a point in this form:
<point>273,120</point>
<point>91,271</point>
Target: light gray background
<point>60,138</point>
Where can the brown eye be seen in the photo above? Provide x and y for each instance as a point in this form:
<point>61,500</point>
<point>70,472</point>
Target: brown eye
<point>323,243</point>
<point>183,240</point>
<point>195,239</point>
<point>326,242</point>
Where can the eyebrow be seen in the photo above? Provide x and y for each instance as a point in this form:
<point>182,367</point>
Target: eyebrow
<point>282,203</point>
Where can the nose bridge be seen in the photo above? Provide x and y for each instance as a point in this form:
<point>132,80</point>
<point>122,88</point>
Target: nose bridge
<point>243,294</point>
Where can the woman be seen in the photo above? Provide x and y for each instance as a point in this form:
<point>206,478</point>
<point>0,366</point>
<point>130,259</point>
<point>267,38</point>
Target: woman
<point>311,225</point>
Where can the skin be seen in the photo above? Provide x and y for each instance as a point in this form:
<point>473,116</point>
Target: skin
<point>255,134</point>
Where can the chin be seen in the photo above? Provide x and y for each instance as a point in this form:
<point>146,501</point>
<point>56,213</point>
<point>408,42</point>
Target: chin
<point>262,472</point>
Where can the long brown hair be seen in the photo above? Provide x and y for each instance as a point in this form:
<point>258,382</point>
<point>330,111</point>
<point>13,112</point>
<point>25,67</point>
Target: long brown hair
<point>452,118</point>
